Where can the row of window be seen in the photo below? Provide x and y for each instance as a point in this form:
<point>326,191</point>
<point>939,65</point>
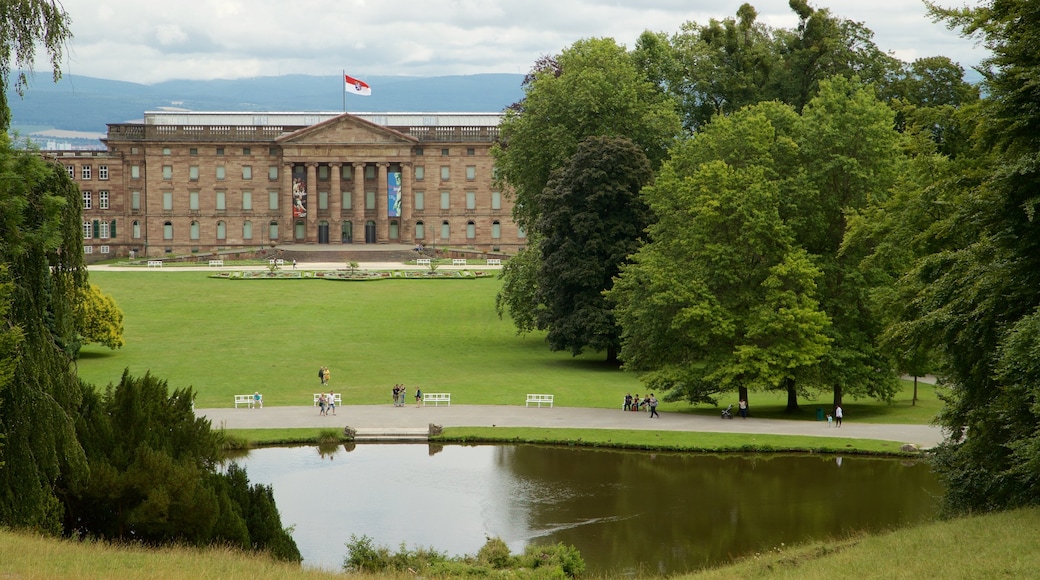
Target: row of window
<point>346,200</point>
<point>85,172</point>
<point>247,151</point>
<point>99,229</point>
<point>88,200</point>
<point>90,249</point>
<point>346,172</point>
<point>194,230</point>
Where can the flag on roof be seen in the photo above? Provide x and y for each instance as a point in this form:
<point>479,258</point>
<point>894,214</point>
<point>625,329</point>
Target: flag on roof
<point>356,86</point>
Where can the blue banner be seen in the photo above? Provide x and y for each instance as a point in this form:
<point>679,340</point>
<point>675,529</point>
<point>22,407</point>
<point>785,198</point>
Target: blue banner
<point>393,194</point>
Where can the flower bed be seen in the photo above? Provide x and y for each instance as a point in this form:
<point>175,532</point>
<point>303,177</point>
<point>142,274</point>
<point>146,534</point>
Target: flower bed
<point>354,275</point>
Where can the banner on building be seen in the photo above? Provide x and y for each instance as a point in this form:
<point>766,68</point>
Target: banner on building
<point>393,194</point>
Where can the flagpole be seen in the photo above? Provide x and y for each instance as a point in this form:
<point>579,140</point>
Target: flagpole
<point>343,88</point>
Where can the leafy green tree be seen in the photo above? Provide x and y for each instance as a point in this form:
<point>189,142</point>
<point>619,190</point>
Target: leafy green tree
<point>592,219</point>
<point>721,297</point>
<point>592,88</point>
<point>25,26</point>
<point>977,301</point>
<point>43,256</point>
<point>98,318</point>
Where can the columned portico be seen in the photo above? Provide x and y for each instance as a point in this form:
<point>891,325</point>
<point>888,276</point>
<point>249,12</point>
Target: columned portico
<point>359,203</point>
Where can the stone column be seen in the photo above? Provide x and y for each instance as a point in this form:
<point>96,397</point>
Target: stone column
<point>407,199</point>
<point>312,203</point>
<point>335,205</point>
<point>359,203</point>
<point>382,221</point>
<point>285,207</point>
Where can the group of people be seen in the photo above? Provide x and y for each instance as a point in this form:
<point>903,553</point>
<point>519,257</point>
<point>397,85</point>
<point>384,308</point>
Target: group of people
<point>634,403</point>
<point>323,375</point>
<point>400,391</point>
<point>326,403</point>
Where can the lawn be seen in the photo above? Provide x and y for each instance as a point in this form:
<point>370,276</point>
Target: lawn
<point>227,337</point>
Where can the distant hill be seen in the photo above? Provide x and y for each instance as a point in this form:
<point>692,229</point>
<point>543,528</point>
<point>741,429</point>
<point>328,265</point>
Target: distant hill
<point>79,103</point>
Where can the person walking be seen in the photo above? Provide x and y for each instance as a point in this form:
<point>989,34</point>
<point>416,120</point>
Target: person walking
<point>743,408</point>
<point>418,397</point>
<point>653,406</point>
<point>331,405</point>
<point>321,375</point>
<point>628,402</point>
<point>837,415</point>
<point>326,376</point>
<point>322,401</point>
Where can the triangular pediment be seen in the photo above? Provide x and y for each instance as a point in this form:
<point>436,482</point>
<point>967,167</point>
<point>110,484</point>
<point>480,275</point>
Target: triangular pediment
<point>347,129</point>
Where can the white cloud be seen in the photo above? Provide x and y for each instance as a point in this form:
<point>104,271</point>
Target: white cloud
<point>204,39</point>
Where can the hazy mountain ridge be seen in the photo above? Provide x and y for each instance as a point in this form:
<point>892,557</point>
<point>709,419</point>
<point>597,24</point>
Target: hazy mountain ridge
<point>79,103</point>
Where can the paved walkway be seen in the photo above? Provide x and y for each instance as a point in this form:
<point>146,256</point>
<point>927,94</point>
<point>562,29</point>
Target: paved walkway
<point>389,418</point>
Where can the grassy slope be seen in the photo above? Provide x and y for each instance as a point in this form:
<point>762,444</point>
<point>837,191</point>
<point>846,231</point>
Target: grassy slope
<point>231,337</point>
<point>997,545</point>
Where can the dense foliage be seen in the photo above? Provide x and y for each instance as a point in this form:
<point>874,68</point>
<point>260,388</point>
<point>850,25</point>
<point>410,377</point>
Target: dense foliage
<point>493,560</point>
<point>592,218</point>
<point>153,475</point>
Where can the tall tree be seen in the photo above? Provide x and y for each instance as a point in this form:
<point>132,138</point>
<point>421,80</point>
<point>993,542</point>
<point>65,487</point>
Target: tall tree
<point>25,26</point>
<point>43,254</point>
<point>979,301</point>
<point>721,297</point>
<point>592,88</point>
<point>592,218</point>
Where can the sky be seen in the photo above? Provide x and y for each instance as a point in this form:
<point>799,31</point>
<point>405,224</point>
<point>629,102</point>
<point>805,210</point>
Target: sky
<point>148,41</point>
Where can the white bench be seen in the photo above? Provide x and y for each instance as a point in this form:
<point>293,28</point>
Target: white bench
<point>422,262</point>
<point>155,263</point>
<point>539,400</point>
<point>494,261</point>
<point>337,399</point>
<point>248,400</point>
<point>216,263</point>
<point>278,262</point>
<point>436,398</point>
<point>458,261</point>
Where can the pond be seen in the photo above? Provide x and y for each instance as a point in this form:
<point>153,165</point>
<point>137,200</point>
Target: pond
<point>628,512</point>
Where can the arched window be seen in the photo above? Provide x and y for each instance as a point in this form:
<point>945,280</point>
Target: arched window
<point>301,230</point>
<point>496,230</point>
<point>420,230</point>
<point>471,230</point>
<point>394,230</point>
<point>445,231</point>
<point>194,231</point>
<point>135,230</point>
<point>167,231</point>
<point>272,231</point>
<point>221,231</point>
<point>247,230</point>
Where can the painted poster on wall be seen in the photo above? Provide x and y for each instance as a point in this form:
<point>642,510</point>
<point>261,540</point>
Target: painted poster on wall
<point>393,194</point>
<point>299,194</point>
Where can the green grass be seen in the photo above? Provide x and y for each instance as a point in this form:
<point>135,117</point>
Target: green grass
<point>990,546</point>
<point>234,337</point>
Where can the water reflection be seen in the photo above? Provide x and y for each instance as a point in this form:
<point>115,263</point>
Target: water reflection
<point>625,511</point>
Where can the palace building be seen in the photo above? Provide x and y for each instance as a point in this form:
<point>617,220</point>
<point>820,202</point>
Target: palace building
<point>180,183</point>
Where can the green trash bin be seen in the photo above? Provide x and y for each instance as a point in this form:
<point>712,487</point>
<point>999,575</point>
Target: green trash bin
<point>819,413</point>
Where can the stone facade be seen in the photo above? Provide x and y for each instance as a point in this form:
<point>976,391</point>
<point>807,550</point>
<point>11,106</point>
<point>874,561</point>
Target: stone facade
<point>183,183</point>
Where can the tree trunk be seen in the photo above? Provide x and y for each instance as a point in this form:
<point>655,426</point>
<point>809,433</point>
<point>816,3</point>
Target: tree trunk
<point>837,396</point>
<point>612,355</point>
<point>792,397</point>
<point>914,402</point>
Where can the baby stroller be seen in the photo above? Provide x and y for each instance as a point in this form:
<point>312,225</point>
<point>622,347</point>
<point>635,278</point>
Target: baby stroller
<point>727,413</point>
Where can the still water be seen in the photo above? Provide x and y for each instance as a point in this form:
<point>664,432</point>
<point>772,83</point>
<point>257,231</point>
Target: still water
<point>627,512</point>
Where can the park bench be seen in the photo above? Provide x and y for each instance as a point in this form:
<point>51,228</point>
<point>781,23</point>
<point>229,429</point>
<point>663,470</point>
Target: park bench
<point>494,261</point>
<point>337,399</point>
<point>248,400</point>
<point>436,398</point>
<point>458,261</point>
<point>155,263</point>
<point>278,262</point>
<point>422,262</point>
<point>216,263</point>
<point>539,400</point>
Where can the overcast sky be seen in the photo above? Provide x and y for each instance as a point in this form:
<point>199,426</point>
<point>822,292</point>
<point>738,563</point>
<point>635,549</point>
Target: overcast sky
<point>151,41</point>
